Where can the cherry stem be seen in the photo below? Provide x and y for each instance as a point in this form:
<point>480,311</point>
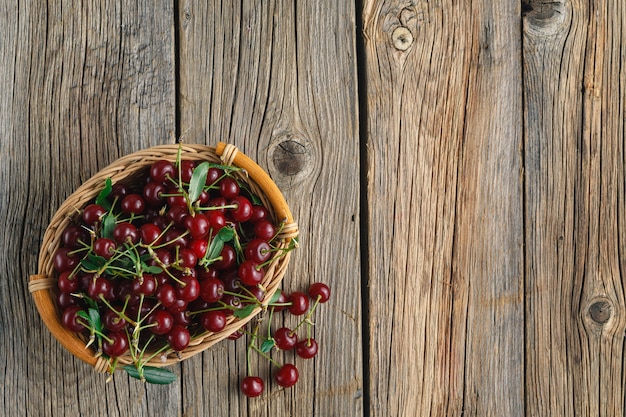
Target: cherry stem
<point>307,318</point>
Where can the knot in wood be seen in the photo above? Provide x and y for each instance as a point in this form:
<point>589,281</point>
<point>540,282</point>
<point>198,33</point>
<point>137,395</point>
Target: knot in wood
<point>290,157</point>
<point>546,18</point>
<point>600,311</point>
<point>402,38</point>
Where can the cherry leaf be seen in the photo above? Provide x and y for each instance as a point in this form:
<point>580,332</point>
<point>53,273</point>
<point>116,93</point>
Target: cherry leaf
<point>151,269</point>
<point>267,345</point>
<point>108,225</point>
<point>104,194</point>
<point>198,179</point>
<point>275,296</point>
<point>244,312</point>
<point>151,374</point>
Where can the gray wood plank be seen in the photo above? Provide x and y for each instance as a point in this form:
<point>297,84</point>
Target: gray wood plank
<point>278,80</point>
<point>445,208</point>
<point>87,84</point>
<point>575,158</point>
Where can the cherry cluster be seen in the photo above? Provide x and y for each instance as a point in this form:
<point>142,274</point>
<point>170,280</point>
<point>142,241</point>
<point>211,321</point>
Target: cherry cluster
<point>151,264</point>
<point>284,338</point>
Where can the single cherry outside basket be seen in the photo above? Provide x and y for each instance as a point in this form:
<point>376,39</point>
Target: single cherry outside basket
<point>43,285</point>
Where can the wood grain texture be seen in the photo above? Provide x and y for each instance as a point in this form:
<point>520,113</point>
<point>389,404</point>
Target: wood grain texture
<point>278,80</point>
<point>87,84</point>
<point>574,145</point>
<point>445,208</point>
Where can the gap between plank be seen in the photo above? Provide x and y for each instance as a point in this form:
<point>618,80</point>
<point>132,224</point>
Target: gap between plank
<point>361,62</point>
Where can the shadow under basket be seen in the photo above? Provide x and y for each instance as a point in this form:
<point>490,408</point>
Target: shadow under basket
<point>43,285</point>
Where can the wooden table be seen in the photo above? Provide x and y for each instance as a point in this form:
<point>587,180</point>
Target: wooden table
<point>457,169</point>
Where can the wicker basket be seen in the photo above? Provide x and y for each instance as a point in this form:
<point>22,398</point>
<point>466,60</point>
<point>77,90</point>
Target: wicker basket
<point>43,285</point>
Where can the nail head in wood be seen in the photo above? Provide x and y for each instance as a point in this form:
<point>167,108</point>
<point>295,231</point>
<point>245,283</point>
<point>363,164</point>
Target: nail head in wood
<point>402,38</point>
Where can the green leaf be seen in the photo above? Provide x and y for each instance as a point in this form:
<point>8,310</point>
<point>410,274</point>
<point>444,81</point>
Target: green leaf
<point>267,345</point>
<point>217,244</point>
<point>275,296</point>
<point>108,225</point>
<point>90,302</point>
<point>244,312</point>
<point>215,248</point>
<point>198,179</point>
<point>104,194</point>
<point>151,269</point>
<point>88,265</point>
<point>152,374</point>
<point>83,315</point>
<point>226,234</point>
<point>95,321</point>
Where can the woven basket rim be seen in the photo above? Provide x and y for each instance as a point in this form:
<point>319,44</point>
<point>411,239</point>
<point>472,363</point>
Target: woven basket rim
<point>43,284</point>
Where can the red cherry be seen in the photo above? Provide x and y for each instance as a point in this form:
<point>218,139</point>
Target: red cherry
<point>161,170</point>
<point>63,260</point>
<point>319,291</point>
<point>250,273</point>
<point>112,321</point>
<point>213,175</point>
<point>161,322</point>
<point>211,290</point>
<point>66,300</point>
<point>166,294</point>
<point>287,375</point>
<point>259,213</point>
<point>243,210</point>
<point>150,234</point>
<point>175,237</point>
<point>144,285</point>
<point>252,386</point>
<point>198,225</point>
<point>299,303</point>
<point>92,214</point>
<point>285,339</point>
<point>228,256</point>
<point>306,348</point>
<point>214,320</point>
<point>228,188</point>
<point>126,232</point>
<point>68,283</point>
<point>104,247</point>
<point>115,344</point>
<point>257,250</point>
<point>178,337</point>
<point>217,220</point>
<point>74,237</point>
<point>133,204</point>
<point>70,318</point>
<point>100,287</point>
<point>152,194</point>
<point>189,288</point>
<point>186,170</point>
<point>199,247</point>
<point>118,191</point>
<point>264,230</point>
<point>178,214</point>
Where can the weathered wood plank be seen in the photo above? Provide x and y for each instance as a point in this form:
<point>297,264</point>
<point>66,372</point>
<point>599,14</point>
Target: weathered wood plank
<point>574,146</point>
<point>445,208</point>
<point>87,83</point>
<point>278,79</point>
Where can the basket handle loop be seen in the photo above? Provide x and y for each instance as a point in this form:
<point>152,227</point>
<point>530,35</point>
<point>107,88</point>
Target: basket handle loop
<point>230,156</point>
<point>39,285</point>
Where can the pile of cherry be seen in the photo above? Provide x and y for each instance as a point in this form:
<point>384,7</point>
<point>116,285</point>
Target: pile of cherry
<point>148,266</point>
